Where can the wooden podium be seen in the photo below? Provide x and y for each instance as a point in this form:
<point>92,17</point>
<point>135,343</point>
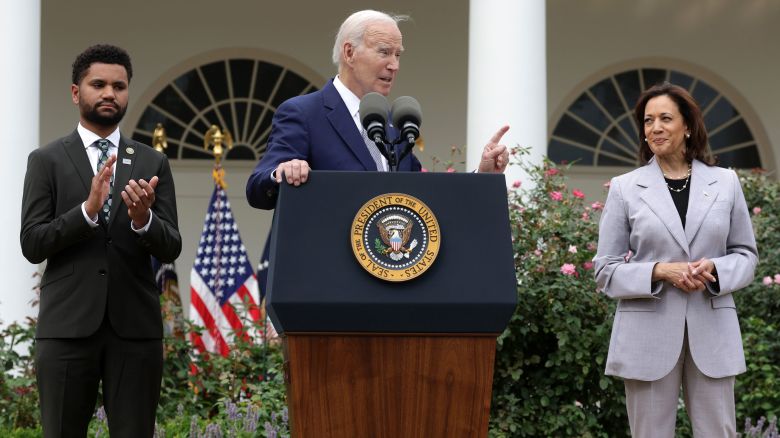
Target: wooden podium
<point>365,357</point>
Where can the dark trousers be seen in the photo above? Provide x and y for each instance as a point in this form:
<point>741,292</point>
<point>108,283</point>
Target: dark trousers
<point>68,374</point>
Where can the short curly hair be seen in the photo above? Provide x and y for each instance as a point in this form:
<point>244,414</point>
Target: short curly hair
<point>103,53</point>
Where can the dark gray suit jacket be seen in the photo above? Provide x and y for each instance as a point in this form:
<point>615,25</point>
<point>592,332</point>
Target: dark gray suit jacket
<point>91,271</point>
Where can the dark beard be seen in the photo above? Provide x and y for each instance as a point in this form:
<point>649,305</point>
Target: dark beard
<point>95,117</point>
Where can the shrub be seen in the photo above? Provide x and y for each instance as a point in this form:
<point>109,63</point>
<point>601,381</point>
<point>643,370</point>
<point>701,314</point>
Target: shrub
<point>549,375</point>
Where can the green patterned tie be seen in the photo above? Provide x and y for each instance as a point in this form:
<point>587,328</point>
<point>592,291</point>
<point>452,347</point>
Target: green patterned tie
<point>103,144</point>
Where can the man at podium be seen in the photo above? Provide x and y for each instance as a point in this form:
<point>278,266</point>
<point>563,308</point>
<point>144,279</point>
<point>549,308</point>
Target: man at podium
<point>322,130</point>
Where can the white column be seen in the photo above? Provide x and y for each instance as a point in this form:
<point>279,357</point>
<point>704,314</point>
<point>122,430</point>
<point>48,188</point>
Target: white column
<point>507,78</point>
<point>20,50</point>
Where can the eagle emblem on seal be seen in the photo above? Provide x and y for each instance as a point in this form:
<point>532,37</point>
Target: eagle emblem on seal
<point>395,231</point>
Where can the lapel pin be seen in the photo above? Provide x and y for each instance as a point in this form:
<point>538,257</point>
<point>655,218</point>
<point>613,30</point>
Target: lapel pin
<point>126,161</point>
<point>130,151</point>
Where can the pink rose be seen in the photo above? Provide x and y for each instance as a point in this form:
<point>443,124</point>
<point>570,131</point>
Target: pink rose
<point>777,278</point>
<point>597,206</point>
<point>551,171</point>
<point>516,184</point>
<point>587,266</point>
<point>578,194</point>
<point>423,170</point>
<point>568,269</point>
<point>767,281</point>
<point>556,196</point>
<point>573,249</point>
<point>538,253</point>
<point>756,210</point>
<point>450,169</point>
<point>585,216</point>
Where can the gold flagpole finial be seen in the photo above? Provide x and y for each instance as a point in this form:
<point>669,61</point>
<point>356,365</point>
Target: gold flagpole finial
<point>217,141</point>
<point>159,139</point>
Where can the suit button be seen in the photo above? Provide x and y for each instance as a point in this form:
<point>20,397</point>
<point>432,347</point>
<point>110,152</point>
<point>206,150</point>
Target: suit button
<point>102,271</point>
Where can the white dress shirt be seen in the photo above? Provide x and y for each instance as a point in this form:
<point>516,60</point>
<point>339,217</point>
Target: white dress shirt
<point>88,138</point>
<point>353,106</point>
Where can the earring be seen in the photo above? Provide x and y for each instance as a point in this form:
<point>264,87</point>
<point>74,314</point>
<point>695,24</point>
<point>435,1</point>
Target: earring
<point>645,139</point>
<point>687,135</point>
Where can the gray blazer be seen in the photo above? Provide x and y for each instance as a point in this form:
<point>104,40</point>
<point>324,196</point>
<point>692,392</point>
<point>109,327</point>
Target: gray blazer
<point>640,227</point>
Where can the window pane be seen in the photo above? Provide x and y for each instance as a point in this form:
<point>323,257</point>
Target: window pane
<point>586,109</point>
<point>653,76</point>
<point>745,158</point>
<point>189,83</point>
<point>216,79</point>
<point>719,114</point>
<point>240,152</point>
<point>606,94</point>
<point>680,79</point>
<point>267,76</point>
<point>241,76</point>
<point>562,152</point>
<point>629,86</point>
<point>704,94</point>
<point>571,129</point>
<point>292,85</point>
<point>172,102</point>
<point>736,133</point>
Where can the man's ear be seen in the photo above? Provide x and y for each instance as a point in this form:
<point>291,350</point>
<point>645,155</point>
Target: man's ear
<point>348,52</point>
<point>74,93</point>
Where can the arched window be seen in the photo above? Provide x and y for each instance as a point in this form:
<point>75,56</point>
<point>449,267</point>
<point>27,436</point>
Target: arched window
<point>598,129</point>
<point>239,94</point>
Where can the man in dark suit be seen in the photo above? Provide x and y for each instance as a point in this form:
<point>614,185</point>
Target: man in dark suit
<point>322,130</point>
<point>96,206</point>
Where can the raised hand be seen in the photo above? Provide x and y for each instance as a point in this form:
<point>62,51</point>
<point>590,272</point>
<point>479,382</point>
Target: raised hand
<point>495,156</point>
<point>100,188</point>
<point>139,198</point>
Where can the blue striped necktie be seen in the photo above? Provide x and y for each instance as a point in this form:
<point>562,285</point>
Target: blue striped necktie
<point>103,144</point>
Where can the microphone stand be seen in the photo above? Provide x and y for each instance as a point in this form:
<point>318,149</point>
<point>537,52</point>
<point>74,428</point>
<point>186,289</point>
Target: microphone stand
<point>387,149</point>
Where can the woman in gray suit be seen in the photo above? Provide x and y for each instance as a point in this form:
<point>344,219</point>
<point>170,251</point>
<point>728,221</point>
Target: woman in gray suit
<point>675,240</point>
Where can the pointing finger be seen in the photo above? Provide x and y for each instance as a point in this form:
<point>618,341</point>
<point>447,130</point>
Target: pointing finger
<point>500,133</point>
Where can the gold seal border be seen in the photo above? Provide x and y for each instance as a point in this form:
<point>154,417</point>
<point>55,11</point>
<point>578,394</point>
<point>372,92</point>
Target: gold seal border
<point>388,200</point>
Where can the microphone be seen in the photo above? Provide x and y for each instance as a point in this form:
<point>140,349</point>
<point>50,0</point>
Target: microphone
<point>373,116</point>
<point>407,117</point>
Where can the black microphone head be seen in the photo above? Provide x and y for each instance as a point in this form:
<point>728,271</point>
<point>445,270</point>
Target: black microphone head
<point>373,108</point>
<point>406,109</point>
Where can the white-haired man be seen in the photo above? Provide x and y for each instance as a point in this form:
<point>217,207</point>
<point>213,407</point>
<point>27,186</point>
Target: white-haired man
<point>322,130</point>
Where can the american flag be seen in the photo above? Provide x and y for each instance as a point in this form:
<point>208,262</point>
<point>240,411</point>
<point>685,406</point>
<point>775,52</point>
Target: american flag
<point>224,294</point>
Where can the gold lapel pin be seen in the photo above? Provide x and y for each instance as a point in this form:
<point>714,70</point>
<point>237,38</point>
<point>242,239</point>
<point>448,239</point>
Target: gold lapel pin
<point>130,151</point>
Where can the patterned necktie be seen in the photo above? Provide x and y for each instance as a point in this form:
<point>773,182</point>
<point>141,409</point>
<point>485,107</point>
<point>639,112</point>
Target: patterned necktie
<point>374,151</point>
<point>102,144</point>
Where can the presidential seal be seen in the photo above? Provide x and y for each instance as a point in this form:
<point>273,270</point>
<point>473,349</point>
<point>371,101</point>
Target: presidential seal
<point>395,237</point>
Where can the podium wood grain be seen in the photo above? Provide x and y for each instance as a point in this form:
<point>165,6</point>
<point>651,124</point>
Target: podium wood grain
<point>346,385</point>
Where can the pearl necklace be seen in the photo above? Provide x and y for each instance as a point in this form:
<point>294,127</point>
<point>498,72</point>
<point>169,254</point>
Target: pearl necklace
<point>687,178</point>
